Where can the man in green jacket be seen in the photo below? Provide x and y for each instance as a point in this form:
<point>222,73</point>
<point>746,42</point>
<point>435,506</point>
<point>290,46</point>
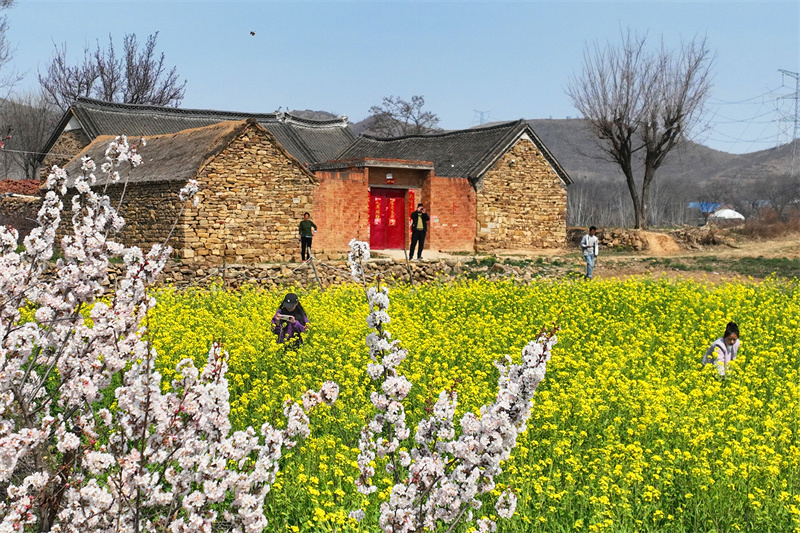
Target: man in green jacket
<point>307,230</point>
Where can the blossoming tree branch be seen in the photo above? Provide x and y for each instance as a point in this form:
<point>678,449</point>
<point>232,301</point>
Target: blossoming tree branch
<point>91,441</point>
<point>154,461</point>
<point>439,474</point>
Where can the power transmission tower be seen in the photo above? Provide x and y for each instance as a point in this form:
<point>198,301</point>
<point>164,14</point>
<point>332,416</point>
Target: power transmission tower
<point>796,118</point>
<point>481,116</point>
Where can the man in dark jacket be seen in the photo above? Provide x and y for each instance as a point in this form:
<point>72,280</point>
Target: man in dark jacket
<point>307,229</point>
<point>419,227</point>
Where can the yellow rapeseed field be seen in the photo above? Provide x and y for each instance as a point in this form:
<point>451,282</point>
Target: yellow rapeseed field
<point>629,431</point>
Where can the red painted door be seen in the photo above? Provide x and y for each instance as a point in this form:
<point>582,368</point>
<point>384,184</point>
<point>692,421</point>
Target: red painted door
<point>387,217</point>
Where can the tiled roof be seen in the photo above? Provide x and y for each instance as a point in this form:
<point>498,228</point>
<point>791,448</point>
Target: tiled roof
<point>310,141</point>
<point>171,156</point>
<point>463,153</point>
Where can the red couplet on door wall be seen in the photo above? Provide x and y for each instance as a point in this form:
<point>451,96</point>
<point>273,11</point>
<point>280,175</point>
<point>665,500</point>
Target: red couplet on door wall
<point>387,218</point>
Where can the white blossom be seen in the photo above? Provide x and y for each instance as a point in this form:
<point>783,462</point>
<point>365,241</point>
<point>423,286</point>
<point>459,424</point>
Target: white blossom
<point>425,492</point>
<point>63,362</point>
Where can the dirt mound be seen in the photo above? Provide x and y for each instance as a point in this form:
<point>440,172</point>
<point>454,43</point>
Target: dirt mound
<point>627,239</point>
<point>658,243</point>
<point>695,238</point>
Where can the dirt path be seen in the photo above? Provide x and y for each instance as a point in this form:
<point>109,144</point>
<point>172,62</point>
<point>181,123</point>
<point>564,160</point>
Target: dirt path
<point>665,257</point>
<point>756,259</point>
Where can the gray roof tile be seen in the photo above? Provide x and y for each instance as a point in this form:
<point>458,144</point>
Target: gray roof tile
<point>462,153</point>
<point>310,141</point>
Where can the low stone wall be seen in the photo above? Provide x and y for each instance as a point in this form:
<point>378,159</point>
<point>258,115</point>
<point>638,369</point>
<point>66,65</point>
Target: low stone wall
<point>20,213</point>
<point>329,273</point>
<point>611,238</point>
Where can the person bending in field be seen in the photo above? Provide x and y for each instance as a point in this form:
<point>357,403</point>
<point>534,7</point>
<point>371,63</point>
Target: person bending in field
<point>290,321</point>
<point>723,350</point>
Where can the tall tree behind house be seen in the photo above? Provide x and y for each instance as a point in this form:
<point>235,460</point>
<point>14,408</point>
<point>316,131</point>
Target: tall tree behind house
<point>137,77</point>
<point>641,104</point>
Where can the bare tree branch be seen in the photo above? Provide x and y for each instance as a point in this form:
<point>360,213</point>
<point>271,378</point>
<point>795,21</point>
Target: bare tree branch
<point>63,84</point>
<point>26,123</point>
<point>7,79</point>
<point>138,77</point>
<point>396,117</point>
<point>641,104</point>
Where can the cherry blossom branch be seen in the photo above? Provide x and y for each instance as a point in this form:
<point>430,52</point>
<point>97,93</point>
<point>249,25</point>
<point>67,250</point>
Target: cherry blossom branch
<point>444,473</point>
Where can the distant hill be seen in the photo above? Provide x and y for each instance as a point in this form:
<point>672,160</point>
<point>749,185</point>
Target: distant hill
<point>576,148</point>
<point>313,115</point>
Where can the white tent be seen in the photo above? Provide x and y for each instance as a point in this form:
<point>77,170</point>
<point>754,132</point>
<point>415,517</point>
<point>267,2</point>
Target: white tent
<point>727,214</point>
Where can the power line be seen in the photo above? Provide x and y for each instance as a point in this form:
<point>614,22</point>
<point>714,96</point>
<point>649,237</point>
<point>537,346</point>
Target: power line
<point>755,100</point>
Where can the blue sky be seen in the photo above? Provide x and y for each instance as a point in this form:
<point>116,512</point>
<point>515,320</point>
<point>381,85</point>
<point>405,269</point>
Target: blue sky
<point>508,60</point>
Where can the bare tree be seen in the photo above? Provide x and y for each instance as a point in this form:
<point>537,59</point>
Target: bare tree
<point>396,117</point>
<point>138,77</point>
<point>27,122</point>
<point>7,78</point>
<point>641,104</point>
<point>782,192</point>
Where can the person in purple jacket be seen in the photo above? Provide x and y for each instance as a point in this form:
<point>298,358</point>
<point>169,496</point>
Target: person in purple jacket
<point>290,321</point>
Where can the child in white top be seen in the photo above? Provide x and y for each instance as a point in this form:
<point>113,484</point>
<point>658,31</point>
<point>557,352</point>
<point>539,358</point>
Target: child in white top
<point>723,350</point>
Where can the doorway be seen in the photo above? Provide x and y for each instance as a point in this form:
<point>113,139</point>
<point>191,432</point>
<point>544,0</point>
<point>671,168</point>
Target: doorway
<point>387,215</point>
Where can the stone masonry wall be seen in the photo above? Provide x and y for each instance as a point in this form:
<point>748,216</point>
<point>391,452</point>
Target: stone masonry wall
<point>19,213</point>
<point>67,146</point>
<point>149,210</point>
<point>522,205</point>
<point>252,198</point>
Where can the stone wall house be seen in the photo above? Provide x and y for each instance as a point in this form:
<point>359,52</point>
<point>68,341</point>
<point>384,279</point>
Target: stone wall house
<point>252,194</point>
<point>489,188</point>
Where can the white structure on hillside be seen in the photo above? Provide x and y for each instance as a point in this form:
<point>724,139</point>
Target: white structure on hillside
<point>726,214</point>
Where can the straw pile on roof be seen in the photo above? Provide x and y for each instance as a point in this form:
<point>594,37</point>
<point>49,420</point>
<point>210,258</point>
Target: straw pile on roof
<point>171,157</point>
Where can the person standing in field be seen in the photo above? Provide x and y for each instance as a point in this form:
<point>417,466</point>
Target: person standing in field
<point>589,247</point>
<point>723,350</point>
<point>307,230</point>
<point>419,228</point>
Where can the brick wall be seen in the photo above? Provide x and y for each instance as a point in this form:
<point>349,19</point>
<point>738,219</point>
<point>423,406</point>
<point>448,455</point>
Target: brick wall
<point>404,178</point>
<point>341,204</point>
<point>252,198</point>
<point>521,205</point>
<point>451,206</point>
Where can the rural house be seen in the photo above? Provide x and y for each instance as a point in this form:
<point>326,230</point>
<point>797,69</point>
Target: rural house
<point>253,192</point>
<point>487,188</point>
<point>309,141</point>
